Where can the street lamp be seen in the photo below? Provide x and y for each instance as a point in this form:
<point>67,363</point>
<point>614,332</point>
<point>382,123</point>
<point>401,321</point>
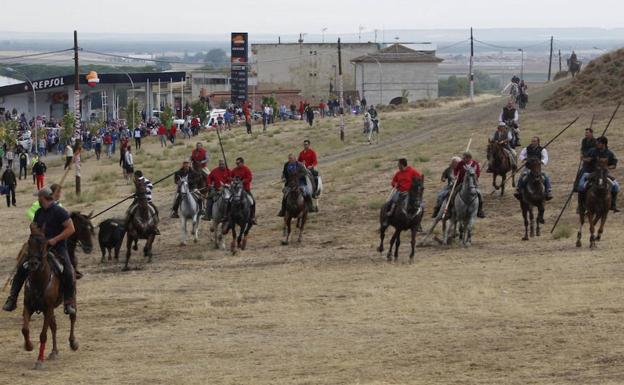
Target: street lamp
<point>521,64</point>
<point>132,84</point>
<point>380,77</point>
<point>34,102</point>
<point>323,32</point>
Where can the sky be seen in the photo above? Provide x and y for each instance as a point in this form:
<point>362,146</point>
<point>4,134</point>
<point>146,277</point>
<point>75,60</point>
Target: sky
<point>295,16</point>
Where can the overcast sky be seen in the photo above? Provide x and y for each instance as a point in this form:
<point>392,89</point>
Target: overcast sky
<point>287,17</point>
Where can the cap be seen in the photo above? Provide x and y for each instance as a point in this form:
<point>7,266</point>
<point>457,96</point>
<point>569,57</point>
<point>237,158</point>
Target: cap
<point>45,192</point>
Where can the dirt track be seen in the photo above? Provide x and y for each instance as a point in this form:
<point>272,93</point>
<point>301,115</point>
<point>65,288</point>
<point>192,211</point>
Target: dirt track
<point>332,310</point>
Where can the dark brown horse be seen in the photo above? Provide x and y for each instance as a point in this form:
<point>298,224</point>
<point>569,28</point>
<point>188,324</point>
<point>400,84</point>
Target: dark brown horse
<point>238,214</point>
<point>533,195</point>
<point>141,223</point>
<point>295,208</point>
<point>500,164</point>
<point>597,201</point>
<point>407,215</point>
<point>83,237</point>
<point>43,292</point>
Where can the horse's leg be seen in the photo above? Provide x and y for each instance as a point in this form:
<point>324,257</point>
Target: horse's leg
<point>183,230</point>
<point>196,222</point>
<point>286,232</point>
<point>28,346</point>
<point>580,230</point>
<point>494,181</point>
<point>136,244</point>
<point>532,221</point>
<point>603,219</point>
<point>413,241</point>
<point>526,222</point>
<point>233,243</point>
<point>392,240</point>
<point>591,221</point>
<point>382,235</point>
<point>148,247</point>
<point>503,177</point>
<point>54,352</point>
<point>540,218</point>
<point>73,344</point>
<point>396,245</point>
<point>129,241</point>
<point>43,338</point>
<point>302,221</point>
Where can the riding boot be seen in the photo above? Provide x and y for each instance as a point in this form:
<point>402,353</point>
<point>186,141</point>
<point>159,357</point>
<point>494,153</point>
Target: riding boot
<point>581,203</point>
<point>480,212</point>
<point>74,263</point>
<point>174,209</point>
<point>436,211</point>
<point>16,286</point>
<point>314,206</point>
<point>549,195</point>
<point>208,211</point>
<point>69,285</point>
<point>308,202</point>
<point>253,214</point>
<point>282,211</point>
<point>614,202</point>
<point>389,213</point>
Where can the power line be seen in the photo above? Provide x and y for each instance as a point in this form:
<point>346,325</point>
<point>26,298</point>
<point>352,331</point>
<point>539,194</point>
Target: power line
<point>452,45</point>
<point>34,54</point>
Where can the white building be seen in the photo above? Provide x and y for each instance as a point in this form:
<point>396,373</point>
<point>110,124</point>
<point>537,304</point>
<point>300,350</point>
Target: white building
<point>397,72</point>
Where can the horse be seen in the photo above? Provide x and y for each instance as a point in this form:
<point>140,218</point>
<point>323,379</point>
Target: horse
<point>189,209</point>
<point>142,223</point>
<point>466,205</point>
<point>407,215</point>
<point>500,164</point>
<point>238,214</point>
<point>219,211</point>
<point>574,67</point>
<point>43,293</point>
<point>83,237</point>
<point>533,195</point>
<point>295,208</point>
<point>597,201</point>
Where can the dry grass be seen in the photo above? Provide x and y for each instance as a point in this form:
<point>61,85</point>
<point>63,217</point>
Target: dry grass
<point>331,310</point>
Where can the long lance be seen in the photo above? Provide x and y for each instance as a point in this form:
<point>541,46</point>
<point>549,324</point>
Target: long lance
<point>221,145</point>
<point>130,197</point>
<point>576,178</point>
<point>448,202</point>
<point>546,145</point>
<point>610,120</point>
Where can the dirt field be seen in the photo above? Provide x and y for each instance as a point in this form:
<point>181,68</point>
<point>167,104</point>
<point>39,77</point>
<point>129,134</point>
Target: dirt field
<point>331,310</point>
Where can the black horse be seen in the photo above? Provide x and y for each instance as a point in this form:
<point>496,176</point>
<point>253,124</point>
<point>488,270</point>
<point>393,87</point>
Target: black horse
<point>533,195</point>
<point>407,215</point>
<point>83,237</point>
<point>238,214</point>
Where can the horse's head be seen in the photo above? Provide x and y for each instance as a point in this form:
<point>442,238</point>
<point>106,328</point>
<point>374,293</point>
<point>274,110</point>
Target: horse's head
<point>37,249</point>
<point>599,179</point>
<point>534,166</point>
<point>183,185</point>
<point>416,189</point>
<point>237,191</point>
<point>84,230</point>
<point>470,178</point>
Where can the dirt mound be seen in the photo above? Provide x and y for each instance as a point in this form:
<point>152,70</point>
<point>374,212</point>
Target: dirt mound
<point>600,82</point>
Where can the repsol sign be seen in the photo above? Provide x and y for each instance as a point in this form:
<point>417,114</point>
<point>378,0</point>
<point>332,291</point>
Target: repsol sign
<point>48,83</point>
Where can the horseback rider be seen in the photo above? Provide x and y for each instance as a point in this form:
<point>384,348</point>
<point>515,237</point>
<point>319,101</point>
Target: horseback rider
<point>503,137</point>
<point>601,151</point>
<point>573,58</point>
<point>308,157</point>
<point>534,152</point>
<point>58,226</point>
<point>199,156</point>
<point>193,180</point>
<point>588,142</point>
<point>297,169</point>
<point>219,177</point>
<point>372,112</point>
<point>244,173</point>
<point>401,184</point>
<point>139,178</point>
<point>460,172</point>
<point>448,176</point>
<point>509,116</point>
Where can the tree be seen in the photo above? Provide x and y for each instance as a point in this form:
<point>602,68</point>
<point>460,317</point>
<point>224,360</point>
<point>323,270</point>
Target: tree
<point>199,108</point>
<point>166,116</point>
<point>8,132</point>
<point>133,112</point>
<point>216,57</point>
<point>67,131</point>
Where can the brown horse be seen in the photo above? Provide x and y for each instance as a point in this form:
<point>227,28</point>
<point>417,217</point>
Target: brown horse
<point>597,201</point>
<point>142,223</point>
<point>500,164</point>
<point>43,293</point>
<point>533,195</point>
<point>83,237</point>
<point>238,214</point>
<point>295,208</point>
<point>407,215</point>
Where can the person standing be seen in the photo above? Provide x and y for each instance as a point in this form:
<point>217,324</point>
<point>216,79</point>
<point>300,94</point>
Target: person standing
<point>39,169</point>
<point>9,155</point>
<point>137,138</point>
<point>128,165</point>
<point>98,146</point>
<point>172,133</point>
<point>1,155</point>
<point>123,144</point>
<point>23,164</point>
<point>162,134</point>
<point>8,179</point>
<point>69,155</point>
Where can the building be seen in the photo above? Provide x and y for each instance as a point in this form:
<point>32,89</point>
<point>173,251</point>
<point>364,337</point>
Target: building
<point>397,72</point>
<point>311,68</point>
<point>53,97</point>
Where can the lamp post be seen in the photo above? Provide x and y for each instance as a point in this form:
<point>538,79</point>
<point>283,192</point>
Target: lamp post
<point>380,77</point>
<point>132,84</point>
<point>521,63</point>
<point>323,32</point>
<point>34,102</point>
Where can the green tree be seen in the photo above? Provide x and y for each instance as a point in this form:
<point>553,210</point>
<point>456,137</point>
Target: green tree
<point>132,113</point>
<point>199,108</point>
<point>68,128</point>
<point>216,57</point>
<point>166,116</point>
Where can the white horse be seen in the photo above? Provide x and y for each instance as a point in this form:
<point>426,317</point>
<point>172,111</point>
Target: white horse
<point>218,216</point>
<point>189,210</point>
<point>465,209</point>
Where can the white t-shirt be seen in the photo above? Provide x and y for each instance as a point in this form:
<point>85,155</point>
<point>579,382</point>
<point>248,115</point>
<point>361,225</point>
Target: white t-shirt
<point>69,151</point>
<point>137,133</point>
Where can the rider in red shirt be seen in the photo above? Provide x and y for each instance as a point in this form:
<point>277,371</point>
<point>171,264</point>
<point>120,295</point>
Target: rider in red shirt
<point>402,182</point>
<point>199,157</point>
<point>308,156</point>
<point>460,172</point>
<point>218,177</point>
<point>244,173</point>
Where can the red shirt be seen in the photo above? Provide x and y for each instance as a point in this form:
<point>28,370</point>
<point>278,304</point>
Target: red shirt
<point>402,180</point>
<point>162,130</point>
<point>460,172</point>
<point>194,122</point>
<point>108,139</point>
<point>244,173</point>
<point>218,177</point>
<point>124,142</point>
<point>198,156</point>
<point>173,130</point>
<point>308,157</point>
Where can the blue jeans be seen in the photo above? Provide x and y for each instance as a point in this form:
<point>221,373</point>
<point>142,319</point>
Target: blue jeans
<point>615,187</point>
<point>522,181</point>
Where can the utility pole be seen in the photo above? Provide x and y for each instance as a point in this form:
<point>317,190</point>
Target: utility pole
<point>340,92</point>
<point>560,69</point>
<point>471,75</point>
<point>550,60</point>
<point>77,113</point>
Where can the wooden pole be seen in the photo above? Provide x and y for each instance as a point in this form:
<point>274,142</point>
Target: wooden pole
<point>551,57</point>
<point>77,111</point>
<point>448,201</point>
<point>341,92</point>
<point>471,74</point>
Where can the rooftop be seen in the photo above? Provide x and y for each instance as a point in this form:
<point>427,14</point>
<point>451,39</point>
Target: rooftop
<point>399,53</point>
